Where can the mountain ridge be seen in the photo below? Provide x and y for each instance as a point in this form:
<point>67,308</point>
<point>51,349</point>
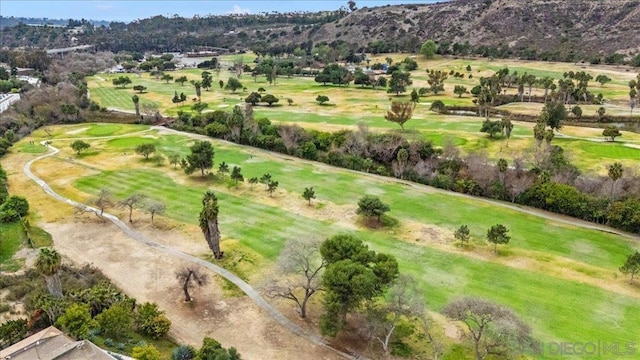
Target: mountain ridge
<point>537,30</point>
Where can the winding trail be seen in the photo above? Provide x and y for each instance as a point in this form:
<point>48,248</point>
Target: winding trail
<point>252,293</point>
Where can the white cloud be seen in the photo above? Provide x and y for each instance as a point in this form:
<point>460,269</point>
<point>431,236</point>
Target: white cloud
<point>104,7</point>
<point>238,10</point>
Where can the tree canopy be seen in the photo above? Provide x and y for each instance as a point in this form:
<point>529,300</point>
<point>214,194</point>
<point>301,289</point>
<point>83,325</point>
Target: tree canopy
<point>428,49</point>
<point>353,274</point>
<point>372,206</point>
<point>200,158</point>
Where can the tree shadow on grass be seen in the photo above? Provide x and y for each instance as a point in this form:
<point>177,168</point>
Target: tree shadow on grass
<point>85,154</point>
<point>386,222</point>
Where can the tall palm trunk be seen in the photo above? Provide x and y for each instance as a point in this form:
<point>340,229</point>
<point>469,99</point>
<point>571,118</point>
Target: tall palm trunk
<point>213,238</point>
<point>54,286</point>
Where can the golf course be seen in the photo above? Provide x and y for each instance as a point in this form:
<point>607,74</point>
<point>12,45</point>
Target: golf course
<point>561,275</point>
<point>557,274</point>
<point>352,106</point>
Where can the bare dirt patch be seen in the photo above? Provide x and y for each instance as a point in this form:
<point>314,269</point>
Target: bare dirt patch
<point>149,275</point>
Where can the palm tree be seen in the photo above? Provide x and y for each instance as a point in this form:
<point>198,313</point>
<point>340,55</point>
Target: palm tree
<point>198,86</point>
<point>48,263</point>
<point>615,173</point>
<point>546,83</point>
<point>136,103</point>
<point>209,223</point>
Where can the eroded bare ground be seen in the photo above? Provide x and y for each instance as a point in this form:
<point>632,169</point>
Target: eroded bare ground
<point>149,275</point>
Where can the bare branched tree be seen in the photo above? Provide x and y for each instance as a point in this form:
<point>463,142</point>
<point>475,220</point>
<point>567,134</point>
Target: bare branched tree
<point>131,202</point>
<point>103,201</point>
<point>402,300</point>
<point>431,333</point>
<point>302,266</point>
<point>493,329</point>
<point>188,278</point>
<point>292,136</point>
<point>154,207</point>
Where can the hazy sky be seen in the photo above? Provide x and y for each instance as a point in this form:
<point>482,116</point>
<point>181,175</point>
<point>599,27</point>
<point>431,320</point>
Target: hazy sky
<point>127,10</point>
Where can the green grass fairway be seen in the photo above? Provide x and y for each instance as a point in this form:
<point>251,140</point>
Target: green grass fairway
<point>11,237</point>
<point>551,274</point>
<point>352,105</point>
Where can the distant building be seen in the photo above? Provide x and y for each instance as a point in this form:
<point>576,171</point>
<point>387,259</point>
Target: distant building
<point>46,25</point>
<point>25,71</point>
<point>6,100</point>
<point>52,343</point>
<point>76,30</point>
<point>30,79</point>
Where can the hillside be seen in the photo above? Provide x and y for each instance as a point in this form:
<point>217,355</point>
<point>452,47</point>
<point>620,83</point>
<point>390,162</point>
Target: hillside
<point>536,30</point>
<point>583,26</point>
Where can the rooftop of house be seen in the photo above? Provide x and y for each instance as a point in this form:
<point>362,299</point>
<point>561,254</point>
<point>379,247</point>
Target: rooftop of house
<point>51,344</point>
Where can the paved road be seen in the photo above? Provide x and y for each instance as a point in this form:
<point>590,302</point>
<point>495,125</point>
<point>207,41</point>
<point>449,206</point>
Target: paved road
<point>252,293</point>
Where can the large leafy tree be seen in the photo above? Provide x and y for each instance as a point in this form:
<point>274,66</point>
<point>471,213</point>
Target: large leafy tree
<point>611,133</point>
<point>436,81</point>
<point>428,49</point>
<point>233,84</point>
<point>253,98</point>
<point>201,157</point>
<point>270,99</point>
<point>491,127</point>
<point>399,82</point>
<point>353,274</point>
<point>48,263</point>
<point>209,223</point>
<point>321,99</point>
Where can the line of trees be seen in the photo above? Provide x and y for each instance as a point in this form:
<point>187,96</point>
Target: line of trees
<point>551,179</point>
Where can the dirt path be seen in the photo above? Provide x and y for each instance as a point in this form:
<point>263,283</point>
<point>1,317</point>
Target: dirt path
<point>253,294</point>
